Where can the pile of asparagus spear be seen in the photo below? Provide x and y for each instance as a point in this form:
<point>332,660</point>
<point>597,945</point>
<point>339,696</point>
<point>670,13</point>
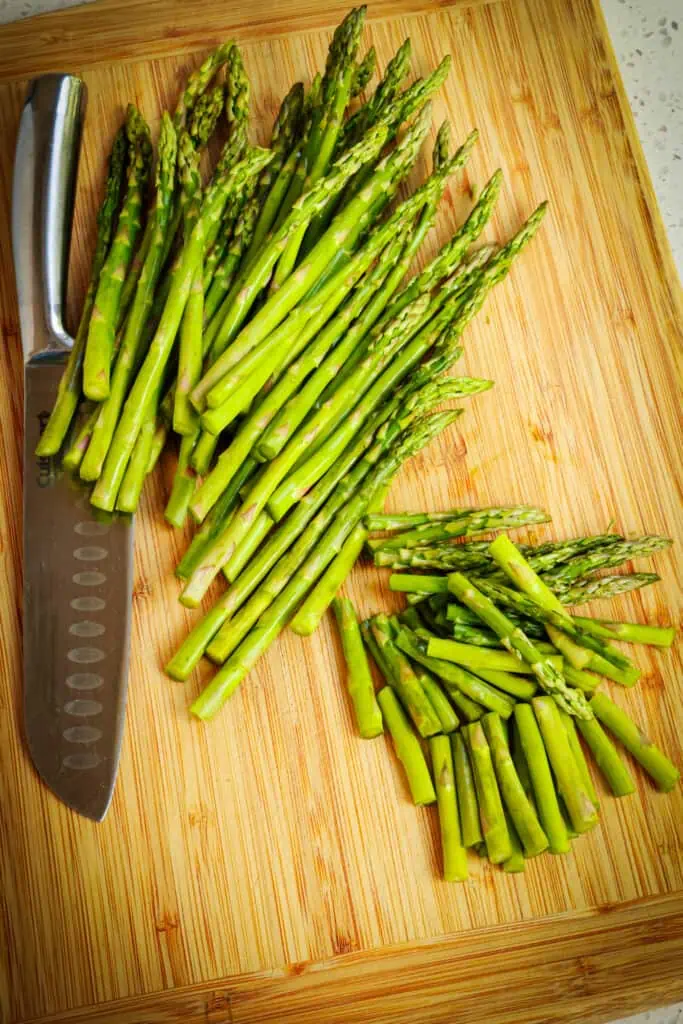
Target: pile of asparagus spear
<point>260,319</point>
<point>488,668</point>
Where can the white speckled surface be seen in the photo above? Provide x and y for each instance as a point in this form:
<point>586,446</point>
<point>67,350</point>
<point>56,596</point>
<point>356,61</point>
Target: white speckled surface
<point>648,39</point>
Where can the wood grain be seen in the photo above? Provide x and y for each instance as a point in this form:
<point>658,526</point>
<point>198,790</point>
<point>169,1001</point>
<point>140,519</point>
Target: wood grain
<point>275,838</point>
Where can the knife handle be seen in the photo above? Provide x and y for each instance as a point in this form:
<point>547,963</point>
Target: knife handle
<point>45,168</point>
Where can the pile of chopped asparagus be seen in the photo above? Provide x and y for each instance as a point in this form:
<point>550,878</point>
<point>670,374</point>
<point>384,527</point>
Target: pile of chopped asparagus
<point>261,321</point>
<point>490,670</point>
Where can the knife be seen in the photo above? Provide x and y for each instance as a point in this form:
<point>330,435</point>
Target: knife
<point>77,566</point>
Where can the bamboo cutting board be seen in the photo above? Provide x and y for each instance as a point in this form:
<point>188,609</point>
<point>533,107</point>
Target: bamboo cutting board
<point>269,867</point>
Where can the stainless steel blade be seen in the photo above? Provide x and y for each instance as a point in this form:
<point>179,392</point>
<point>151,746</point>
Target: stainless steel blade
<point>78,577</point>
<point>77,563</point>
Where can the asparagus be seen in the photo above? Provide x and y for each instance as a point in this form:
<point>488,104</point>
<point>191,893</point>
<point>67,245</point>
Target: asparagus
<point>478,521</point>
<point>606,757</point>
<point>307,619</point>
<point>515,863</point>
<point>439,701</point>
<point>510,683</point>
<point>348,469</point>
<point>473,658</point>
<point>158,442</point>
<point>491,814</point>
<point>518,805</point>
<point>204,116</point>
<point>603,587</point>
<point>582,680</point>
<point>515,566</point>
<point>383,96</point>
<point>337,86</point>
<point>199,81</point>
<point>407,747</point>
<point>374,377</point>
<point>131,349</point>
<point>515,640</point>
<point>538,765</point>
<point>254,502</point>
<point>453,851</point>
<point>239,301</point>
<point>278,613</point>
<point>611,557</point>
<point>373,648</point>
<point>630,632</point>
<point>184,482</point>
<point>455,677</point>
<point>214,523</point>
<point>136,470</point>
<point>474,556</point>
<point>279,304</point>
<point>655,763</point>
<point>259,531</point>
<point>69,390</point>
<point>466,792</point>
<point>152,369</point>
<point>101,330</point>
<point>600,658</point>
<point>579,757</point>
<point>404,681</point>
<point>358,680</point>
<point>353,347</point>
<point>580,807</point>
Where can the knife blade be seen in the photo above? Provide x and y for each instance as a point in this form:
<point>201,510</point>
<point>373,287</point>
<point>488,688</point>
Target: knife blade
<point>78,564</point>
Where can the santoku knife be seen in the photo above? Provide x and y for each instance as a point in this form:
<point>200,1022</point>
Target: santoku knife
<point>77,566</point>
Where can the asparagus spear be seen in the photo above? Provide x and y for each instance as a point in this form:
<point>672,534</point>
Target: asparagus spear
<point>131,349</point>
<point>101,330</point>
<point>407,747</point>
<point>404,681</point>
<point>579,757</point>
<point>515,640</point>
<point>479,521</point>
<point>474,556</point>
<point>655,763</point>
<point>491,814</point>
<point>581,591</point>
<point>541,777</point>
<point>518,805</point>
<point>337,86</point>
<point>136,470</point>
<point>278,613</point>
<point>151,372</point>
<point>606,757</point>
<point>509,682</point>
<point>199,81</point>
<point>214,523</point>
<point>631,632</point>
<point>69,390</point>
<point>384,95</point>
<point>581,809</point>
<point>359,680</point>
<point>453,850</point>
<point>613,556</point>
<point>364,71</point>
<point>184,482</point>
<point>466,792</point>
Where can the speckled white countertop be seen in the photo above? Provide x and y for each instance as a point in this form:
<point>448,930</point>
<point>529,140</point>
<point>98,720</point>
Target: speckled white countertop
<point>648,39</point>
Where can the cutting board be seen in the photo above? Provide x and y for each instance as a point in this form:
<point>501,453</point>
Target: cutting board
<point>269,866</point>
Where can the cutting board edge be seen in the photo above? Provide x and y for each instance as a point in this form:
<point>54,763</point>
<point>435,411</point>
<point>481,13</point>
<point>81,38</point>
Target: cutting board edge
<point>82,37</point>
<point>594,974</point>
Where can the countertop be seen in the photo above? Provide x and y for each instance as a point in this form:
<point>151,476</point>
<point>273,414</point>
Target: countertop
<point>648,40</point>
